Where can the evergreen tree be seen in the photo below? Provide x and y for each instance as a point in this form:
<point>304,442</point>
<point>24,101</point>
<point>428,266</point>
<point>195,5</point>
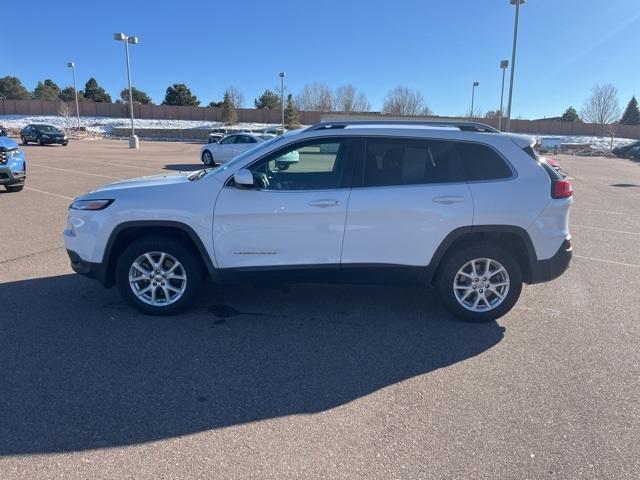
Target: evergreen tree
<point>67,94</point>
<point>179,94</point>
<point>46,90</point>
<point>268,100</point>
<point>215,104</point>
<point>95,93</point>
<point>229,113</point>
<point>11,88</point>
<point>570,115</point>
<point>138,96</point>
<point>291,113</point>
<point>631,115</point>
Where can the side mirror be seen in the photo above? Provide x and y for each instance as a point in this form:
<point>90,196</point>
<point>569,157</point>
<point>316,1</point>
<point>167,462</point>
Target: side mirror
<point>243,178</point>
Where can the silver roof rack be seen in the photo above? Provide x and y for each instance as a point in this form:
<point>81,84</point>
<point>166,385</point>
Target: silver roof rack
<point>463,126</point>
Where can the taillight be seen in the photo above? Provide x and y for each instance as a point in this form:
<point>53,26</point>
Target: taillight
<point>561,189</point>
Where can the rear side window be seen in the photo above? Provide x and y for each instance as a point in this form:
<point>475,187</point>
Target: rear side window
<point>409,162</point>
<point>482,163</point>
<point>553,174</point>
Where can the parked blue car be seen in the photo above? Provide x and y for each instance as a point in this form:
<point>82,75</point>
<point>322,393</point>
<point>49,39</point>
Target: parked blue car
<point>13,165</point>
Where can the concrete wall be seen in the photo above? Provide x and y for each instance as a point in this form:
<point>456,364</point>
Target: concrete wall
<point>36,107</point>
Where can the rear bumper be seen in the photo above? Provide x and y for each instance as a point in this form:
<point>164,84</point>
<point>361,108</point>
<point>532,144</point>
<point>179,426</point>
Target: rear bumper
<point>550,268</point>
<point>96,271</point>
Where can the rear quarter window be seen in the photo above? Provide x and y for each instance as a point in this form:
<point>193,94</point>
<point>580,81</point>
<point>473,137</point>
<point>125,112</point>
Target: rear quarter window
<point>481,162</point>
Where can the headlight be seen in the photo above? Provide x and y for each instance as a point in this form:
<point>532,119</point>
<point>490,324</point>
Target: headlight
<point>90,204</point>
<point>13,153</point>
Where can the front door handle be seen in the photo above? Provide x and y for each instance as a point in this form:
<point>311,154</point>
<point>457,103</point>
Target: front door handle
<point>448,199</point>
<point>324,203</point>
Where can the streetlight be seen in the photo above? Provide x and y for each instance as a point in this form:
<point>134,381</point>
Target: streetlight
<point>72,66</point>
<point>473,93</point>
<point>504,64</point>
<point>121,37</point>
<point>517,3</point>
<point>282,75</point>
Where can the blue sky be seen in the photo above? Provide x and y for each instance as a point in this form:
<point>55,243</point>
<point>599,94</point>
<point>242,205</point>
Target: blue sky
<point>436,46</point>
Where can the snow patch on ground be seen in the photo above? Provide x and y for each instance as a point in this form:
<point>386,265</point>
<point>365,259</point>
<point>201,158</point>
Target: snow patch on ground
<point>103,125</point>
<point>599,144</point>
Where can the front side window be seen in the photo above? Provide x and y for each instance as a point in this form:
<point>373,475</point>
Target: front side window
<point>410,162</point>
<point>310,165</point>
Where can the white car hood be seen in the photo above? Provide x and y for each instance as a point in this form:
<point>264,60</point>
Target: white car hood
<point>150,181</point>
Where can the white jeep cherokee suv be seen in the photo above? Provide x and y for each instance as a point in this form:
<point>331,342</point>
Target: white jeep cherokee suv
<point>459,205</point>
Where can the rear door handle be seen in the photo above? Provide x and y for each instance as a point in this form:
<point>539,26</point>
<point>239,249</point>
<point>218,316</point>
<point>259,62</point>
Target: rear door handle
<point>448,199</point>
<point>324,203</point>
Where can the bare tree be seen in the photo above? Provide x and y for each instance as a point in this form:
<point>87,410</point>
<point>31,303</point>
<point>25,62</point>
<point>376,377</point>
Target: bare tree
<point>403,101</point>
<point>236,98</point>
<point>602,106</point>
<point>65,112</point>
<point>347,99</point>
<point>315,97</point>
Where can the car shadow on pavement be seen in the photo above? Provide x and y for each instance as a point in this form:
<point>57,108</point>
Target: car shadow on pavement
<point>81,370</point>
<point>184,167</point>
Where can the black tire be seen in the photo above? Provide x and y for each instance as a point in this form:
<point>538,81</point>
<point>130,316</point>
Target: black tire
<point>173,246</point>
<point>207,158</point>
<point>24,140</point>
<point>40,142</point>
<point>14,188</point>
<point>64,144</point>
<point>456,260</point>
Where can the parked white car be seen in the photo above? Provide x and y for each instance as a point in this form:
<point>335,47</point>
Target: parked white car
<point>227,147</point>
<point>460,206</point>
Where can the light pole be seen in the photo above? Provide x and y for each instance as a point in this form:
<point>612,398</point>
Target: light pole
<point>517,3</point>
<point>133,139</point>
<point>282,75</point>
<point>473,94</point>
<point>504,64</point>
<point>72,66</point>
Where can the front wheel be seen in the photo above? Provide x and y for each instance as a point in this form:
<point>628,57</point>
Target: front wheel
<point>24,140</point>
<point>64,144</point>
<point>480,282</point>
<point>40,142</point>
<point>159,276</point>
<point>207,158</point>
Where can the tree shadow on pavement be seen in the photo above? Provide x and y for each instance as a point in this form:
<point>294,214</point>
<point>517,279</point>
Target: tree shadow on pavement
<point>80,370</point>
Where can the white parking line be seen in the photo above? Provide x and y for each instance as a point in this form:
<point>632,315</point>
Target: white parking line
<point>598,211</point>
<point>605,229</point>
<point>607,261</point>
<point>48,193</point>
<point>74,171</point>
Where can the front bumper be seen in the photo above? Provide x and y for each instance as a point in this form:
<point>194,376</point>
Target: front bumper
<point>10,177</point>
<point>96,271</point>
<point>550,268</point>
<point>51,140</point>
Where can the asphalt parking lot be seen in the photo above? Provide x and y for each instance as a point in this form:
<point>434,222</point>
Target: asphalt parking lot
<point>306,381</point>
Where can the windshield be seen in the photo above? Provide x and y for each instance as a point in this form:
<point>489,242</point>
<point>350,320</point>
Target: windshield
<point>47,128</point>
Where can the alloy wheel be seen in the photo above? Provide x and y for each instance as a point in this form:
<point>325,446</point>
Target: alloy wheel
<point>481,284</point>
<point>157,278</point>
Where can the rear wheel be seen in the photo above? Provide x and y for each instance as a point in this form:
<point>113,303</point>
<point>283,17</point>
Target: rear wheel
<point>480,282</point>
<point>158,276</point>
<point>24,140</point>
<point>207,158</point>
